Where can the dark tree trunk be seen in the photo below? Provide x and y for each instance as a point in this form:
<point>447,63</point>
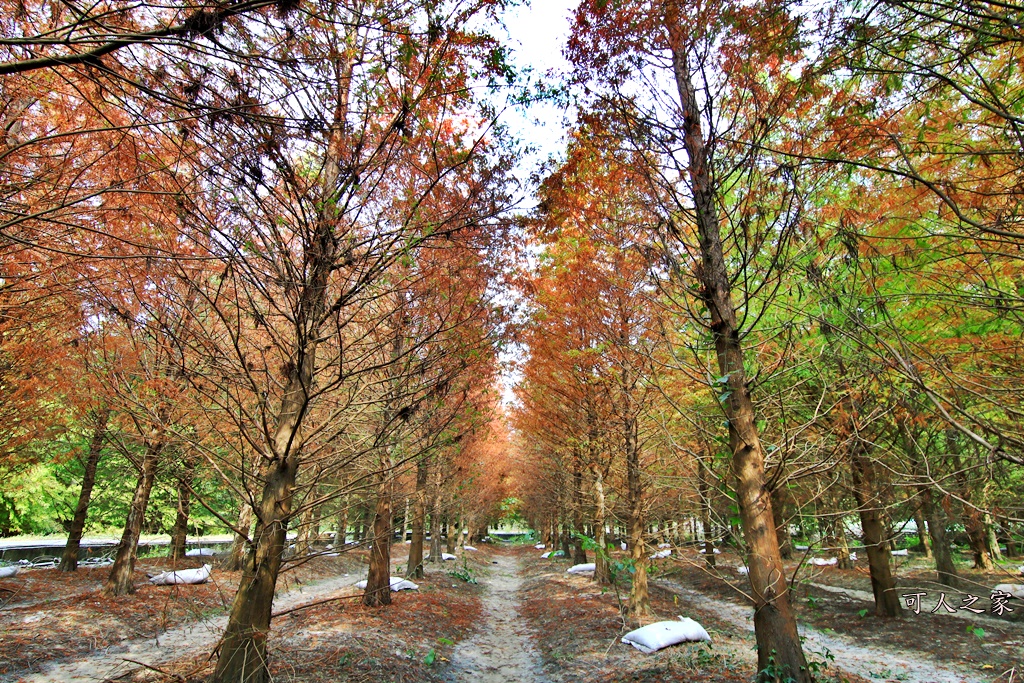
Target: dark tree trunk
<point>639,595</point>
<point>435,519</point>
<point>932,512</point>
<point>602,574</point>
<point>778,642</point>
<point>419,513</point>
<point>579,555</point>
<point>179,534</point>
<point>119,581</point>
<point>378,582</point>
<point>923,545</point>
<point>944,567</point>
<point>883,584</point>
<point>69,560</point>
<point>243,648</point>
<point>341,533</point>
<point>453,534</point>
<point>991,542</point>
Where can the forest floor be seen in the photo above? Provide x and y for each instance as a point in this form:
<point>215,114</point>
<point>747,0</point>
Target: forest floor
<point>517,618</point>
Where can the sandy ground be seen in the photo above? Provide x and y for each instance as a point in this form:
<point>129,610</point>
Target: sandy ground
<point>501,651</point>
<point>871,663</point>
<point>196,639</point>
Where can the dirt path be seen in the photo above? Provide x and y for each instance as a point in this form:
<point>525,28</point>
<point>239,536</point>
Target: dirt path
<point>501,651</point>
<point>873,663</point>
<point>195,639</point>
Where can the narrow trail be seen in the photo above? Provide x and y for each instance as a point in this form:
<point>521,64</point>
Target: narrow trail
<point>501,651</point>
<point>865,661</point>
<point>195,639</point>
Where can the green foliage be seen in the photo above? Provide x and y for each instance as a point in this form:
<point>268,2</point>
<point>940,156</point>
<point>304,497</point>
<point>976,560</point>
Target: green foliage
<point>463,573</point>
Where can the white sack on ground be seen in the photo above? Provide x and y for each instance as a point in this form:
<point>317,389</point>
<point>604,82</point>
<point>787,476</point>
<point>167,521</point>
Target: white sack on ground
<point>540,546</point>
<point>448,556</point>
<point>397,584</point>
<point>1014,589</point>
<point>703,551</point>
<point>824,563</point>
<point>664,545</point>
<point>546,555</point>
<point>8,572</point>
<point>469,548</point>
<point>902,553</point>
<point>745,571</point>
<point>654,637</point>
<point>182,576</point>
<point>588,568</point>
<point>623,545</point>
<point>661,554</point>
<point>853,557</point>
<point>199,552</point>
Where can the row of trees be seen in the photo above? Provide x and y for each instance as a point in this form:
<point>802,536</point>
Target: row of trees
<point>257,243</point>
<point>777,284</point>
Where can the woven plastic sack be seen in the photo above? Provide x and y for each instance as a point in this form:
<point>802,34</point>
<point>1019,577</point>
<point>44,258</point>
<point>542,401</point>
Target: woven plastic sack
<point>662,634</point>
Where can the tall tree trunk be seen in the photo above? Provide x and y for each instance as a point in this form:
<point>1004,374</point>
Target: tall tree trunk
<point>435,518</point>
<point>944,566</point>
<point>302,539</point>
<point>419,513</point>
<point>639,596</point>
<point>69,560</point>
<point>1011,543</point>
<point>602,574</point>
<point>778,643</point>
<point>923,545</point>
<point>977,538</point>
<point>341,533</point>
<point>378,581</point>
<point>238,547</point>
<point>933,513</point>
<point>991,542</point>
<point>579,555</point>
<point>836,539</point>
<point>119,581</point>
<point>243,647</point>
<point>883,584</point>
<point>973,518</point>
<point>179,534</point>
<point>405,521</point>
<point>453,533</point>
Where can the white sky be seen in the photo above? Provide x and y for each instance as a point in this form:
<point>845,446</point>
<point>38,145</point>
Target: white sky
<point>537,34</point>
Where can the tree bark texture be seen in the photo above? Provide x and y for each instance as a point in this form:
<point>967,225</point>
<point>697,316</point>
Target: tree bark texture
<point>119,581</point>
<point>69,560</point>
<point>602,574</point>
<point>378,581</point>
<point>243,648</point>
<point>779,652</point>
<point>419,513</point>
<point>179,534</point>
<point>883,584</point>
